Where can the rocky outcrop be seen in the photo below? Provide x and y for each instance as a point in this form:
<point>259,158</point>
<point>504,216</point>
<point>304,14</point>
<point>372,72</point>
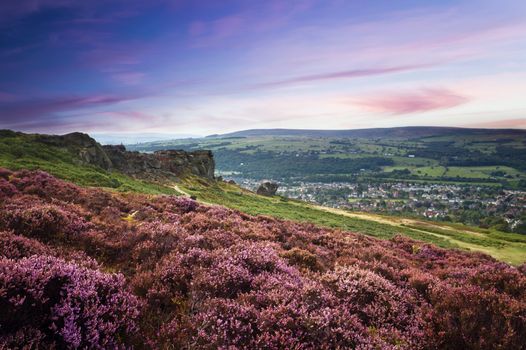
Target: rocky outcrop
<point>86,148</point>
<point>160,165</point>
<point>267,189</point>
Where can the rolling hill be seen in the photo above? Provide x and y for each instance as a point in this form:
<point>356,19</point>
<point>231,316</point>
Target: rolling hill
<point>367,155</point>
<point>460,175</point>
<point>409,132</point>
<point>140,264</point>
<point>90,268</point>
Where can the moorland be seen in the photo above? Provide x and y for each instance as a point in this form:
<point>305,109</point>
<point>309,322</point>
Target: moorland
<point>98,258</point>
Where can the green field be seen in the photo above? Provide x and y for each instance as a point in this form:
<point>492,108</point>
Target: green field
<point>492,157</point>
<point>475,172</point>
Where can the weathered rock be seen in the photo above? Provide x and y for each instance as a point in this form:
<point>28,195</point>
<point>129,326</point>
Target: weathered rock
<point>152,166</point>
<point>88,150</point>
<point>267,188</point>
<point>199,163</point>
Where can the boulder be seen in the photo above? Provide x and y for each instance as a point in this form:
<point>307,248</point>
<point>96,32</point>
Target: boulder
<point>267,188</point>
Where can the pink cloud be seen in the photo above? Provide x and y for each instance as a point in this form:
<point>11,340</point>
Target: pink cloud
<point>7,97</point>
<point>423,100</point>
<point>518,123</point>
<point>227,26</point>
<point>248,22</point>
<point>346,74</point>
<point>212,33</point>
<point>197,28</point>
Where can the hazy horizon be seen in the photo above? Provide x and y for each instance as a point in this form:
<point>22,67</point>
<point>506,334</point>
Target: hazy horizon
<point>129,138</point>
<point>204,67</point>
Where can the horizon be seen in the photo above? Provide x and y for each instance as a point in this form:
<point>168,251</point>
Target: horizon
<point>132,138</point>
<point>201,68</point>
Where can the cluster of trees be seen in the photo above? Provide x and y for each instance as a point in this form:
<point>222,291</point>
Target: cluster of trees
<point>262,164</point>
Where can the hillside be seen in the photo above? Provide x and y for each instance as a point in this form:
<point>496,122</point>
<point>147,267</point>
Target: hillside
<point>409,132</point>
<point>22,151</point>
<point>471,176</point>
<point>84,267</point>
<point>491,157</point>
<point>79,158</point>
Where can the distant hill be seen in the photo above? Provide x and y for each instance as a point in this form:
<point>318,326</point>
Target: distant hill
<point>399,132</point>
<point>432,154</point>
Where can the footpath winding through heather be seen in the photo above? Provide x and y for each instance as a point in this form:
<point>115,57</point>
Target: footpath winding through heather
<point>411,225</point>
<point>181,191</point>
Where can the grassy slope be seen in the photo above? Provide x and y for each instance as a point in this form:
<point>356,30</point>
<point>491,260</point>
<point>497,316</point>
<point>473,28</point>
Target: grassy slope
<point>503,246</point>
<point>23,152</point>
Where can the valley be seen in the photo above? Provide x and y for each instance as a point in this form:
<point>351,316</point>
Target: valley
<point>23,151</point>
<point>471,176</point>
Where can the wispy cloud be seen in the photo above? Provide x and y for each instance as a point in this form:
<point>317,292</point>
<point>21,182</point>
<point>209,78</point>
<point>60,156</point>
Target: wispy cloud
<point>7,97</point>
<point>238,64</point>
<point>423,100</point>
<point>129,78</point>
<point>345,74</point>
<point>19,111</point>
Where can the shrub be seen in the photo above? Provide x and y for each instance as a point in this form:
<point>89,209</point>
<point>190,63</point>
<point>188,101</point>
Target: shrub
<point>302,258</point>
<point>49,302</point>
<point>212,277</point>
<point>6,189</point>
<point>469,317</point>
<point>16,247</point>
<point>45,186</point>
<point>44,221</point>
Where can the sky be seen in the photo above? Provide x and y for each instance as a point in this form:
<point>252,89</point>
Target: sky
<point>203,67</point>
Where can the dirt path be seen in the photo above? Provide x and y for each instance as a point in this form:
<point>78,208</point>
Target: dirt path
<point>188,195</point>
<point>395,221</point>
<point>403,222</point>
<point>181,191</point>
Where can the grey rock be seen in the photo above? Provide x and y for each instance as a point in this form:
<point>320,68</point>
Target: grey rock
<point>267,188</point>
<point>158,166</point>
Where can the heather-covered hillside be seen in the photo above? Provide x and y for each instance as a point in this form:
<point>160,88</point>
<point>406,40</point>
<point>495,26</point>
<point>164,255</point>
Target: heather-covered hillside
<point>87,268</point>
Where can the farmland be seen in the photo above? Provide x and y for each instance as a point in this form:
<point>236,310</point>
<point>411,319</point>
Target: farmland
<point>446,174</point>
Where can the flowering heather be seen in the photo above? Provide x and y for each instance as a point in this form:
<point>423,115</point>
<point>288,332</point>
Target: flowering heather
<point>42,220</point>
<point>48,302</point>
<point>205,277</point>
<point>16,247</point>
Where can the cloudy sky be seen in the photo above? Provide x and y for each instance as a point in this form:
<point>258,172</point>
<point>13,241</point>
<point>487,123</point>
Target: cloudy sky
<point>201,67</point>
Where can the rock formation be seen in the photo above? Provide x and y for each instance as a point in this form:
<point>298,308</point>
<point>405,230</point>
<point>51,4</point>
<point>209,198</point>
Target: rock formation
<point>152,166</point>
<point>267,188</point>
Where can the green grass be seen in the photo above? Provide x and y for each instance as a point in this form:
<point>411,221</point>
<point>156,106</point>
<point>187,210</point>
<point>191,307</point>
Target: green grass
<point>24,152</point>
<point>508,247</point>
